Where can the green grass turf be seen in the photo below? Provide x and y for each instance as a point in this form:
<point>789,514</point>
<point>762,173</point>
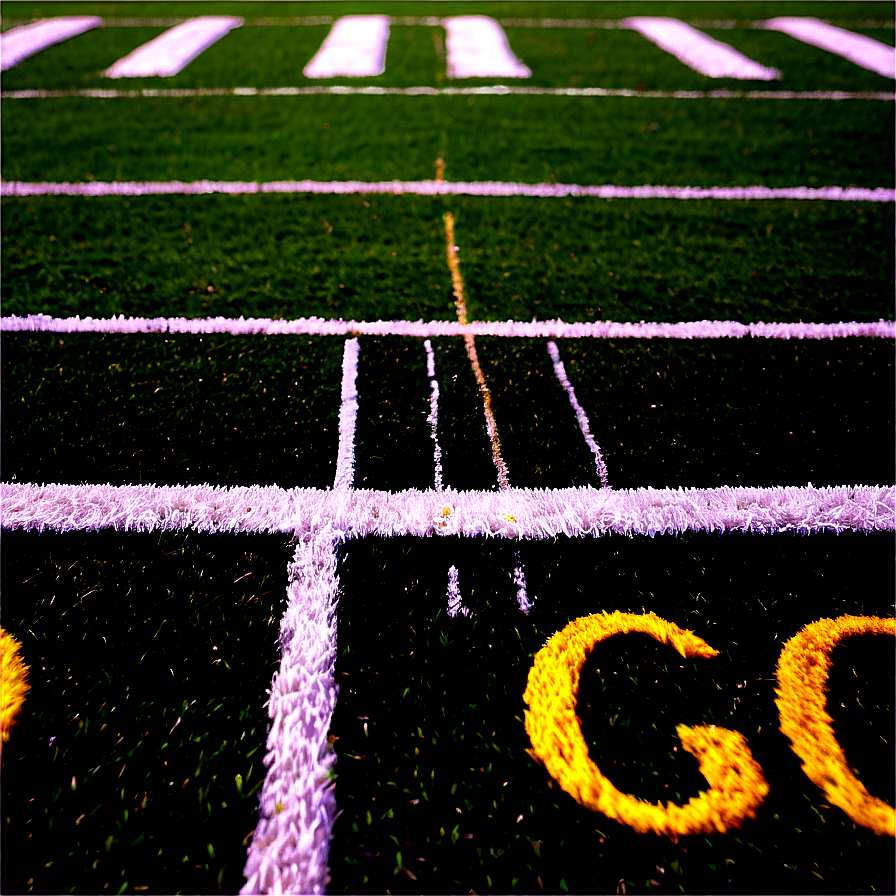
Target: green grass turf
<point>438,793</point>
<point>578,140</point>
<point>138,755</point>
<point>383,257</point>
<point>177,409</point>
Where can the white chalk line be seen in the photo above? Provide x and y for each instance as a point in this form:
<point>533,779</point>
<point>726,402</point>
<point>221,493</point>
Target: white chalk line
<point>552,329</point>
<point>443,188</point>
<point>348,417</point>
<point>493,90</point>
<point>433,417</point>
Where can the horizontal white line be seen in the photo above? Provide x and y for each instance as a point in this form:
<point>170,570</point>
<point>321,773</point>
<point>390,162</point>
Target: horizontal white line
<point>442,188</point>
<point>493,90</point>
<point>552,329</point>
<point>513,513</point>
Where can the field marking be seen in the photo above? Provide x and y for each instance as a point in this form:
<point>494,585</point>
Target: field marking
<point>551,329</point>
<point>455,601</point>
<point>297,807</point>
<point>441,188</point>
<point>348,417</point>
<point>354,48</point>
<point>19,43</point>
<point>174,50</point>
<point>537,513</point>
<point>493,90</point>
<point>581,416</point>
<point>699,51</point>
<point>477,48</point>
<point>433,418</point>
<point>857,48</point>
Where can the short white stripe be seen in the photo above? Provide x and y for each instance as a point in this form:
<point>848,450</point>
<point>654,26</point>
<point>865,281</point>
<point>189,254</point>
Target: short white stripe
<point>433,418</point>
<point>581,416</point>
<point>700,52</point>
<point>555,329</point>
<point>354,48</point>
<point>19,43</point>
<point>511,513</point>
<point>477,48</point>
<point>857,48</point>
<point>172,51</point>
<point>494,90</point>
<point>348,416</point>
<point>442,188</point>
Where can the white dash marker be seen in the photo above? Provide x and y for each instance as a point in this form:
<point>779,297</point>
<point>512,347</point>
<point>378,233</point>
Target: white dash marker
<point>348,416</point>
<point>477,48</point>
<point>699,51</point>
<point>354,48</point>
<point>174,50</point>
<point>17,44</point>
<point>857,48</point>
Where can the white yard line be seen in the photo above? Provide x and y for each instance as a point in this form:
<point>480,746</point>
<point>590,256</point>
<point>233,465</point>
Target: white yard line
<point>493,90</point>
<point>172,51</point>
<point>433,418</point>
<point>442,188</point>
<point>699,51</point>
<point>297,807</point>
<point>581,416</point>
<point>348,416</point>
<point>19,43</point>
<point>556,329</point>
<point>515,513</point>
<point>477,48</point>
<point>354,48</point>
<point>858,48</point>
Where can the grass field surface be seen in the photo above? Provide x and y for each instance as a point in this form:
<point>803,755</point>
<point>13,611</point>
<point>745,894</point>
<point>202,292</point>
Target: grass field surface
<point>208,692</point>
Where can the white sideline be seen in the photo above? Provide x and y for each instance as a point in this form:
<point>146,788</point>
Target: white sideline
<point>297,807</point>
<point>699,51</point>
<point>348,416</point>
<point>172,51</point>
<point>477,48</point>
<point>517,513</point>
<point>354,48</point>
<point>551,329</point>
<point>17,44</point>
<point>441,188</point>
<point>857,48</point>
<point>581,416</point>
<point>493,90</point>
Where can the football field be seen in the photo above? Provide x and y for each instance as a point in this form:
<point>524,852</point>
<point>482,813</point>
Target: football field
<point>351,351</point>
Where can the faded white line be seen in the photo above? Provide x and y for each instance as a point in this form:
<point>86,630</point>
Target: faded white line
<point>354,48</point>
<point>857,48</point>
<point>19,43</point>
<point>699,51</point>
<point>433,418</point>
<point>172,51</point>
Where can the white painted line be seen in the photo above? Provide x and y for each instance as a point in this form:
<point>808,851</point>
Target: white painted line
<point>581,417</point>
<point>19,43</point>
<point>699,51</point>
<point>552,329</point>
<point>348,416</point>
<point>290,848</point>
<point>442,188</point>
<point>857,48</point>
<point>455,601</point>
<point>515,513</point>
<point>492,90</point>
<point>519,579</point>
<point>172,51</point>
<point>477,48</point>
<point>354,48</point>
<point>433,418</point>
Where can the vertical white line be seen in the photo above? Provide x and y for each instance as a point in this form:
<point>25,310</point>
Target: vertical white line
<point>699,51</point>
<point>348,416</point>
<point>17,44</point>
<point>354,48</point>
<point>455,601</point>
<point>174,50</point>
<point>433,418</point>
<point>560,371</point>
<point>290,849</point>
<point>857,48</point>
